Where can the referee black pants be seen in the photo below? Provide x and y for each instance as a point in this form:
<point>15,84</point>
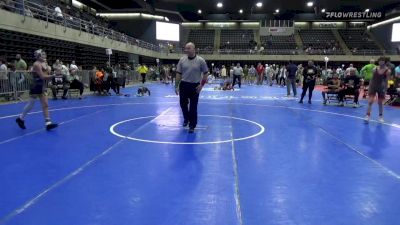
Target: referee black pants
<point>189,98</point>
<point>143,77</point>
<point>239,78</point>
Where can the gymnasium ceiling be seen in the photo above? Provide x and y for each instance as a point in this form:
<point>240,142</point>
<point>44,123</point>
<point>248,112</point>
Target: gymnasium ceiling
<point>188,8</point>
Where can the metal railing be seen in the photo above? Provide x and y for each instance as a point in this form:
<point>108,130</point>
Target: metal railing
<point>374,52</point>
<point>48,14</point>
<point>13,85</point>
<point>45,13</point>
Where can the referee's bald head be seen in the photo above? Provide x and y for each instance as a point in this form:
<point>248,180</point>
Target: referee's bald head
<point>190,49</point>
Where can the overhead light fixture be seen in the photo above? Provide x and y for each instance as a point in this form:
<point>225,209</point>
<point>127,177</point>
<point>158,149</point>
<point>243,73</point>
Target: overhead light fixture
<point>395,19</point>
<point>199,11</point>
<point>367,10</point>
<point>219,5</point>
<point>310,4</point>
<point>277,10</point>
<point>191,24</point>
<point>259,4</point>
<point>77,4</point>
<point>241,11</point>
<point>323,10</point>
<point>251,23</point>
<point>119,15</point>
<point>166,19</point>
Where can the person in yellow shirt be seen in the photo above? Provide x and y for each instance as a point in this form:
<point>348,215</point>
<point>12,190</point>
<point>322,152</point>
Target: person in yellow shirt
<point>142,70</point>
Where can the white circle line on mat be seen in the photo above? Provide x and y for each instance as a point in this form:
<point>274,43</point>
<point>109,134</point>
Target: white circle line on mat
<point>261,131</point>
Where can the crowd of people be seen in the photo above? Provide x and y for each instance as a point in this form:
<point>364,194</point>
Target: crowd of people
<point>340,80</point>
<point>340,84</point>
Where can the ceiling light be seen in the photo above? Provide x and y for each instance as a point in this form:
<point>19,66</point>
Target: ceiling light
<point>367,10</point>
<point>219,5</point>
<point>166,19</point>
<point>119,15</point>
<point>259,4</point>
<point>277,10</point>
<point>241,11</point>
<point>323,10</point>
<point>310,4</point>
<point>199,11</point>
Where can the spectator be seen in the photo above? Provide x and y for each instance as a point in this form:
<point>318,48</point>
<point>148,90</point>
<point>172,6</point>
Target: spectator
<point>252,75</point>
<point>109,80</point>
<point>299,74</point>
<point>58,14</point>
<point>282,76</point>
<point>73,67</point>
<point>291,78</point>
<point>4,82</point>
<point>142,70</point>
<point>99,81</point>
<point>58,82</point>
<point>333,87</point>
<point>340,73</point>
<point>310,73</point>
<point>223,72</point>
<point>56,64</point>
<point>351,86</point>
<point>349,69</point>
<point>246,72</point>
<point>260,73</point>
<point>3,69</point>
<point>64,70</point>
<point>76,83</point>
<point>28,12</point>
<point>397,72</point>
<point>19,75</point>
<point>268,74</point>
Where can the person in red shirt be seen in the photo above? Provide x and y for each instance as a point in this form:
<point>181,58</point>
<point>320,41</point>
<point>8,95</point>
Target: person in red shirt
<point>260,73</point>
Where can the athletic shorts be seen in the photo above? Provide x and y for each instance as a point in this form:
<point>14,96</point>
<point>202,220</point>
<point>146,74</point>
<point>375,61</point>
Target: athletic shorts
<point>372,91</point>
<point>37,90</point>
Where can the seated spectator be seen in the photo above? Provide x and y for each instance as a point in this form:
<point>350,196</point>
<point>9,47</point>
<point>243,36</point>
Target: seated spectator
<point>392,89</point>
<point>58,14</point>
<point>75,82</point>
<point>58,82</point>
<point>333,87</point>
<point>351,86</point>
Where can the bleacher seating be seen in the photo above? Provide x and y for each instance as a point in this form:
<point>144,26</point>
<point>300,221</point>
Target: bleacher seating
<point>279,45</point>
<point>236,39</point>
<point>320,42</point>
<point>359,42</point>
<point>278,42</point>
<point>203,39</point>
<point>12,43</point>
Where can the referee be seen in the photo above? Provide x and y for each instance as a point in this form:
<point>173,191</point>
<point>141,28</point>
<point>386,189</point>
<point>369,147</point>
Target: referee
<point>192,72</point>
